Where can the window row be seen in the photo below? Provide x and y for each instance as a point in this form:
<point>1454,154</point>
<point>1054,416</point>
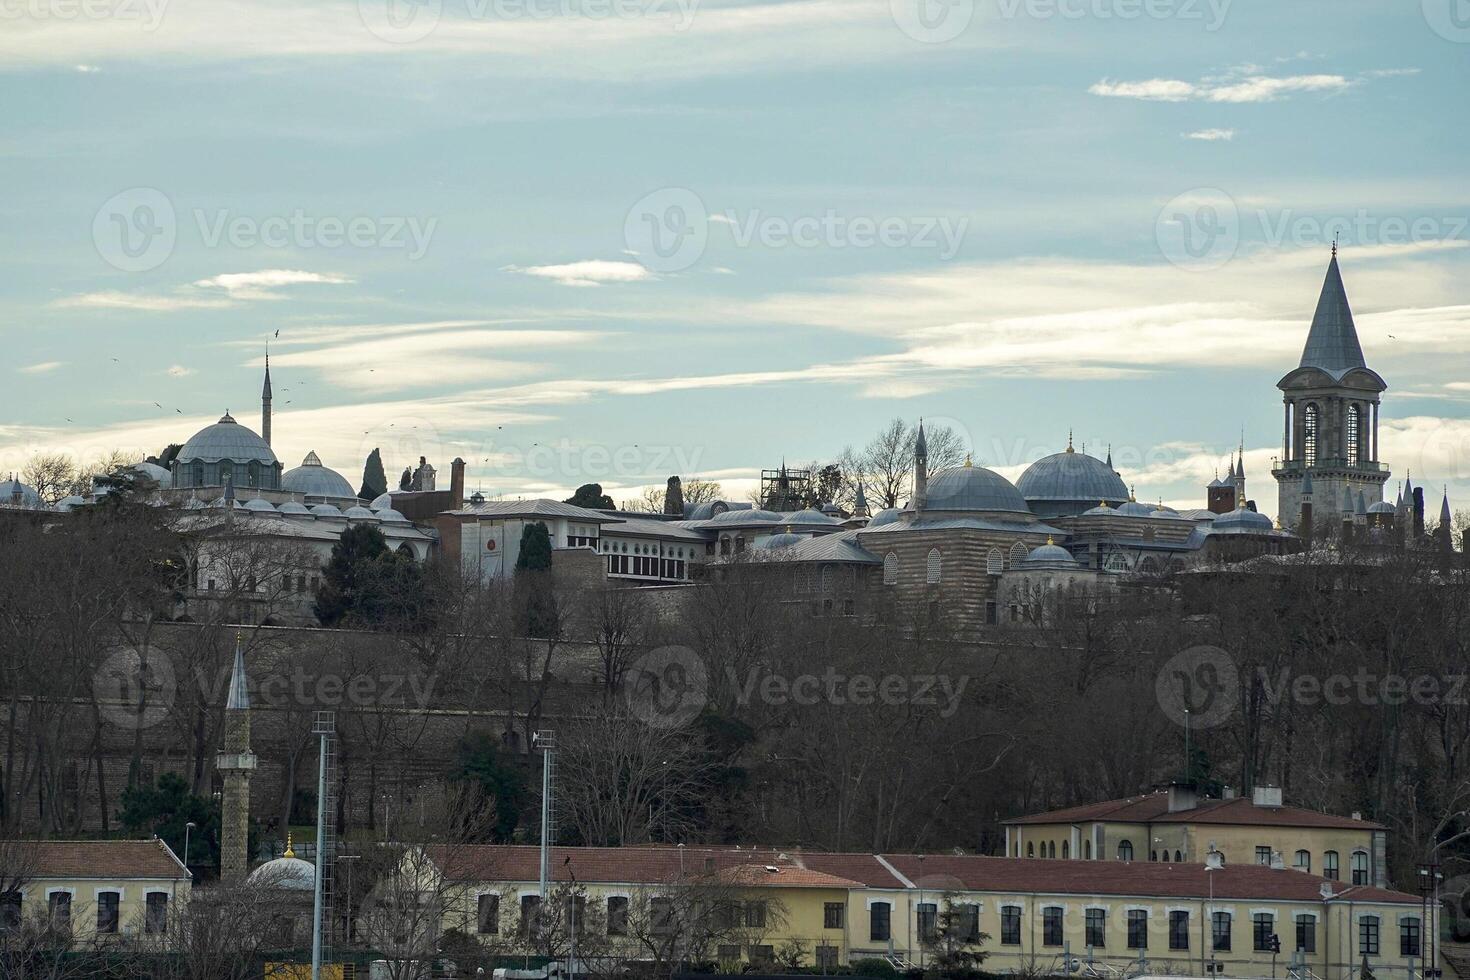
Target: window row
<point>109,909</point>
<point>996,562</point>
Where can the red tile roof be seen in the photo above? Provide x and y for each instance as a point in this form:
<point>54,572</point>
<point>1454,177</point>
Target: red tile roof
<point>1154,808</point>
<point>111,859</point>
<point>634,865</point>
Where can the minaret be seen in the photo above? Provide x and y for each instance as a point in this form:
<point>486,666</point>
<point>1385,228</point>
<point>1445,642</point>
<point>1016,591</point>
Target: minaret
<point>921,469</point>
<point>1240,469</point>
<point>860,502</point>
<point>265,402</point>
<point>236,763</point>
<point>1444,532</point>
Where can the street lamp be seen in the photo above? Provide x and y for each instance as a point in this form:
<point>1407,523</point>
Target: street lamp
<point>187,828</point>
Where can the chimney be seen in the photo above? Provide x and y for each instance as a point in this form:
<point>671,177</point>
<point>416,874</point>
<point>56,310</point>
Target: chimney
<point>1418,512</point>
<point>1182,798</point>
<point>1278,863</point>
<point>1326,891</point>
<point>1267,796</point>
<point>1214,859</point>
<point>1227,792</point>
<point>456,482</point>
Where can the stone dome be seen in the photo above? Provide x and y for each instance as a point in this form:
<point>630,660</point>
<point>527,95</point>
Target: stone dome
<point>777,541</point>
<point>391,516</point>
<point>326,510</point>
<point>316,480</point>
<point>973,488</point>
<point>809,516</point>
<point>1050,555</point>
<point>383,501</point>
<point>288,873</point>
<point>756,516</point>
<point>260,506</point>
<point>226,439</point>
<point>360,514</point>
<point>1135,509</point>
<point>13,493</point>
<point>1074,477</point>
<point>154,472</point>
<point>293,507</point>
<point>1242,521</point>
<point>886,516</point>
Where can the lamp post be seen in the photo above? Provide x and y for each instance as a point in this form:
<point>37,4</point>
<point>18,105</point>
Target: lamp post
<point>187,828</point>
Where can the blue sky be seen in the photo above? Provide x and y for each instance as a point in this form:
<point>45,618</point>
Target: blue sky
<point>1015,216</point>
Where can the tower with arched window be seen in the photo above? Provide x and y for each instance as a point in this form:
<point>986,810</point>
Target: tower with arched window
<point>1331,416</point>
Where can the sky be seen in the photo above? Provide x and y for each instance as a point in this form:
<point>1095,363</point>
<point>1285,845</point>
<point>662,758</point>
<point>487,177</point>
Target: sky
<point>614,240</point>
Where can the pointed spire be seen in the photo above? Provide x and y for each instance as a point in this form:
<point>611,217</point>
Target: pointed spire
<point>239,696</point>
<point>1110,456</point>
<point>265,389</point>
<point>921,447</point>
<point>1332,343</point>
<point>1069,441</point>
<point>1444,511</point>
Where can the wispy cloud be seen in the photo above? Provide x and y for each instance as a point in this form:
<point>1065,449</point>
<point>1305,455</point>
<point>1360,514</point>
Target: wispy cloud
<point>178,371</point>
<point>266,283</point>
<point>1244,84</point>
<point>44,367</point>
<point>111,299</point>
<point>591,272</point>
<point>1211,135</point>
<point>205,294</point>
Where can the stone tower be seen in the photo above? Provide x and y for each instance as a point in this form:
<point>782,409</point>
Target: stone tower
<point>265,403</point>
<point>921,470</point>
<point>1331,416</point>
<point>236,763</point>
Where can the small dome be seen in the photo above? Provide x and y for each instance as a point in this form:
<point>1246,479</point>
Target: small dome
<point>756,516</point>
<point>13,493</point>
<point>226,439</point>
<point>886,516</point>
<point>359,514</point>
<point>314,479</point>
<point>225,503</point>
<point>1135,509</point>
<point>292,507</point>
<point>67,503</point>
<point>973,488</point>
<point>809,516</point>
<point>390,515</point>
<point>1101,510</point>
<point>1381,507</point>
<point>383,501</point>
<point>1071,476</point>
<point>286,873</point>
<point>1242,521</point>
<point>1050,555</point>
<point>326,510</point>
<point>154,472</point>
<point>260,506</point>
<point>777,541</point>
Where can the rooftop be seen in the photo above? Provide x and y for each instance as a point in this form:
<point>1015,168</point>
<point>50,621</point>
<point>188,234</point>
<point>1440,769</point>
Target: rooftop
<point>1154,808</point>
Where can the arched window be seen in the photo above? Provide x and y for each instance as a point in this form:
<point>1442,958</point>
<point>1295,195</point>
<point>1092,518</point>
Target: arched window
<point>1125,850</point>
<point>995,562</point>
<point>1030,849</point>
<point>1051,849</point>
<point>934,566</point>
<point>1309,434</point>
<point>226,472</point>
<point>1154,855</point>
<point>1149,566</point>
<point>1352,435</point>
<point>1360,867</point>
<point>198,480</point>
<point>1066,849</point>
<point>1329,865</point>
<point>1115,563</point>
<point>890,569</point>
<point>826,578</point>
<point>1018,554</point>
<point>1087,850</point>
<point>1178,857</point>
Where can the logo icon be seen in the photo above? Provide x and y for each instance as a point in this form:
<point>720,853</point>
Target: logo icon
<point>667,230</point>
<point>135,230</point>
<point>666,687</point>
<point>1198,687</point>
<point>1450,19</point>
<point>932,21</point>
<point>135,689</point>
<point>1199,230</point>
<point>400,21</point>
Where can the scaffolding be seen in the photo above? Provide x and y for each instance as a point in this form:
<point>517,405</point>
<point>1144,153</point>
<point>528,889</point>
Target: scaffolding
<point>786,490</point>
<point>324,726</point>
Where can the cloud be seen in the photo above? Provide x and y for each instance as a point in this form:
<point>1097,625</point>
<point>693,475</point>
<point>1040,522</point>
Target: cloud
<point>262,284</point>
<point>591,272</point>
<point>1211,135</point>
<point>1153,90</point>
<point>87,69</point>
<point>204,294</point>
<point>178,371</point>
<point>1264,88</point>
<point>44,367</point>
<point>150,303</point>
<point>1230,89</point>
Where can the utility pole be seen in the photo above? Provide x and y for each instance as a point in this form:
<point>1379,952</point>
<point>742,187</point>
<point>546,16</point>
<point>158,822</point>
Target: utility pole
<point>545,740</point>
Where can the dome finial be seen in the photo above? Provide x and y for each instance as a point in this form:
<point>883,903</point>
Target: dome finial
<point>1132,494</point>
<point>289,852</point>
<point>1049,540</point>
<point>1069,441</point>
<point>968,461</point>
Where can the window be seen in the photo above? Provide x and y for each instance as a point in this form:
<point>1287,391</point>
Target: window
<point>1051,926</point>
<point>927,913</point>
<point>1220,932</point>
<point>890,569</point>
<point>1018,554</point>
<point>826,578</point>
<point>762,955</point>
<point>10,904</point>
<point>827,958</point>
<point>1051,850</point>
<point>1115,563</point>
<point>1178,929</point>
<point>1010,925</point>
<point>1178,857</point>
<point>487,915</point>
<point>1309,435</point>
<point>107,910</point>
<point>728,953</point>
<point>58,904</point>
<point>878,921</point>
<point>967,923</point>
<point>1360,867</point>
<point>1137,929</point>
<point>1087,850</point>
<point>1303,861</point>
<point>1030,849</point>
<point>531,914</point>
<point>1263,929</point>
<point>1066,849</point>
<point>992,612</point>
<point>934,566</point>
<point>155,913</point>
<point>832,913</point>
<point>1409,937</point>
<point>755,914</point>
<point>995,562</point>
<point>1352,435</point>
<point>1368,935</point>
<point>1329,865</point>
<point>661,915</point>
<point>1125,850</point>
<point>1306,933</point>
<point>1096,919</point>
<point>1263,854</point>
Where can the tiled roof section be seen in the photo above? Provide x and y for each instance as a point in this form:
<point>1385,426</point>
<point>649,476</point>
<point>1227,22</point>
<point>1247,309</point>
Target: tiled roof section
<point>865,869</point>
<point>111,859</point>
<point>635,865</point>
<point>1154,808</point>
<point>1127,878</point>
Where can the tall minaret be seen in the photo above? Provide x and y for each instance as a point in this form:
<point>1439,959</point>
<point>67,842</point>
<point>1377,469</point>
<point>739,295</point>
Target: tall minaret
<point>921,469</point>
<point>236,763</point>
<point>265,402</point>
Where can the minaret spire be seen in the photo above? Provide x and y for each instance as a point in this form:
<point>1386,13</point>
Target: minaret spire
<point>265,399</point>
<point>236,764</point>
<point>921,469</point>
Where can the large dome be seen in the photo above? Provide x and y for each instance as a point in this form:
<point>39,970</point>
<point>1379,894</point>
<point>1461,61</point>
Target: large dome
<point>971,488</point>
<point>316,480</point>
<point>226,439</point>
<point>1074,477</point>
<point>13,493</point>
<point>286,873</point>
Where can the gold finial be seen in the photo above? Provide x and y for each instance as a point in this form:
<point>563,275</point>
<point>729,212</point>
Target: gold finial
<point>1069,441</point>
<point>1049,540</point>
<point>1132,494</point>
<point>1102,503</point>
<point>289,852</point>
<point>968,462</point>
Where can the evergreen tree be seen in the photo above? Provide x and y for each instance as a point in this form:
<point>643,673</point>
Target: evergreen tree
<point>495,783</point>
<point>366,584</point>
<point>535,553</point>
<point>535,596</point>
<point>166,810</point>
<point>374,480</point>
<point>590,495</point>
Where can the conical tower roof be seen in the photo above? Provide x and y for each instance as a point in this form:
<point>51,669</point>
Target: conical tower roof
<point>1332,343</point>
<point>239,696</point>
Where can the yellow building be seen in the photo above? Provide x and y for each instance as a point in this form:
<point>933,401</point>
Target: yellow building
<point>1177,825</point>
<point>1023,915</point>
<point>94,888</point>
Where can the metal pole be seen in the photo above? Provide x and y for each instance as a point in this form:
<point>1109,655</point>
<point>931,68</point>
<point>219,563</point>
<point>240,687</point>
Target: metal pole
<point>321,833</point>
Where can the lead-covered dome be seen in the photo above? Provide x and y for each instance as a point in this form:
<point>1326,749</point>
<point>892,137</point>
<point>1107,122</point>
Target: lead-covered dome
<point>13,493</point>
<point>226,439</point>
<point>973,488</point>
<point>1242,521</point>
<point>886,516</point>
<point>1070,483</point>
<point>316,480</point>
